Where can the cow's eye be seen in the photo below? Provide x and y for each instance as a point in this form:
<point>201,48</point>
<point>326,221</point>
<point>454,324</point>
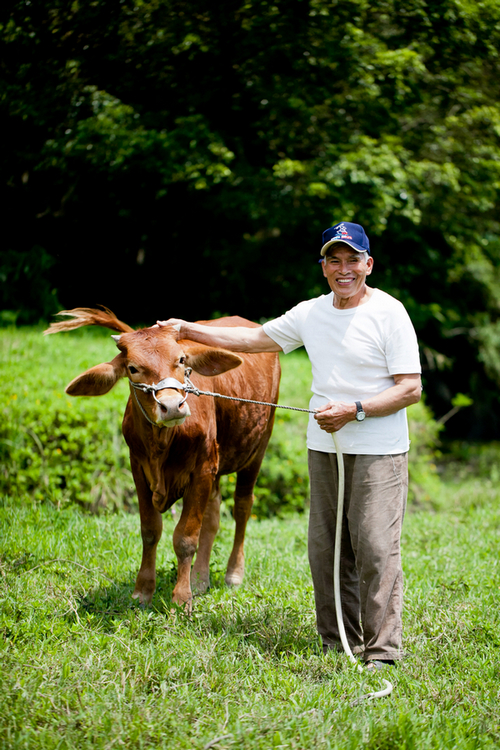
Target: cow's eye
<point>182,361</point>
<point>132,369</point>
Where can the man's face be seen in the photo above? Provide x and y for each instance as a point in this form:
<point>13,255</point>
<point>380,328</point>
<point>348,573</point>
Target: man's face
<point>346,272</point>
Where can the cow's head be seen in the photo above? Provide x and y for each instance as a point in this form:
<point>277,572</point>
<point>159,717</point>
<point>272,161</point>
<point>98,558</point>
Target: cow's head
<point>149,356</point>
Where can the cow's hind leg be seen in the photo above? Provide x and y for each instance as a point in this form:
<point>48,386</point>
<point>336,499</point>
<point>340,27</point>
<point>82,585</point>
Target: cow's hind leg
<point>151,528</point>
<point>200,573</point>
<point>243,501</point>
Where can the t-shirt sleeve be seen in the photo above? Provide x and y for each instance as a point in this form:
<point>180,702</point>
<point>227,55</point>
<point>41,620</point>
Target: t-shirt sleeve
<point>285,330</point>
<point>402,348</point>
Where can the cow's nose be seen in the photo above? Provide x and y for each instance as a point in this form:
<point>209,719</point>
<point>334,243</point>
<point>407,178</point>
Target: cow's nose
<point>165,408</point>
<point>173,406</point>
<point>170,395</point>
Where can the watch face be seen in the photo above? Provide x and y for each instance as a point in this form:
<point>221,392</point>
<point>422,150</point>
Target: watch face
<point>360,415</point>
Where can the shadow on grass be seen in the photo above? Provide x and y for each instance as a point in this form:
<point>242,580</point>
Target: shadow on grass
<point>272,627</point>
<point>244,617</point>
<point>115,600</point>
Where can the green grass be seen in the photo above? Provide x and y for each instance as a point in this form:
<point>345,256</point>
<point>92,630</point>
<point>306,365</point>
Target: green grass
<point>83,666</point>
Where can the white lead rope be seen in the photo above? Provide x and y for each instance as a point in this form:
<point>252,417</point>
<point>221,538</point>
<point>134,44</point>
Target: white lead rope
<point>336,576</point>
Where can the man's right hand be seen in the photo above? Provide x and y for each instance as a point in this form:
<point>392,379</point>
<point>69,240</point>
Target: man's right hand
<point>170,322</point>
<point>336,414</point>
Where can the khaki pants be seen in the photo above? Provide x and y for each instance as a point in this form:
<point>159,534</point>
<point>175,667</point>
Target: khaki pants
<point>371,578</point>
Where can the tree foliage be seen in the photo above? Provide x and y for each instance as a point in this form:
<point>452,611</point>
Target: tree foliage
<point>183,157</point>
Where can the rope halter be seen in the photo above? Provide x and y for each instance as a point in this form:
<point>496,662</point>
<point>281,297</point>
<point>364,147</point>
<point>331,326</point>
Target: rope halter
<point>152,388</point>
<point>189,387</point>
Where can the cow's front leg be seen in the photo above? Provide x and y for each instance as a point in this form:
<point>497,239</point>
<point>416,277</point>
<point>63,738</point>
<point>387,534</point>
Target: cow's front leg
<point>151,528</point>
<point>200,574</point>
<point>187,534</point>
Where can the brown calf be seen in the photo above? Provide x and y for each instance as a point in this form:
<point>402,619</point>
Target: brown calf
<point>181,448</point>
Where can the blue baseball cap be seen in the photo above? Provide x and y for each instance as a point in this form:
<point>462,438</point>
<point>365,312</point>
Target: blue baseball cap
<point>350,234</point>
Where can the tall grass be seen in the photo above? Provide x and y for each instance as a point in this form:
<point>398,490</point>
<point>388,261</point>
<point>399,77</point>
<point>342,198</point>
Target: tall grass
<point>83,666</point>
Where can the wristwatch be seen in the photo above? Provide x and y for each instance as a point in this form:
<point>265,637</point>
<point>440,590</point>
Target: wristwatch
<point>360,414</point>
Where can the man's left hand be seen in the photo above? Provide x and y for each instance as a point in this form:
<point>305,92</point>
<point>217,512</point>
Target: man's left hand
<point>334,415</point>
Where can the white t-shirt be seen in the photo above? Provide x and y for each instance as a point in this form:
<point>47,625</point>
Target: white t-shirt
<point>354,353</point>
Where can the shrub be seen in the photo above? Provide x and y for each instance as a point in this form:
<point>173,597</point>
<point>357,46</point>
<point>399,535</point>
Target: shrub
<point>64,450</point>
<point>52,447</point>
<point>424,453</point>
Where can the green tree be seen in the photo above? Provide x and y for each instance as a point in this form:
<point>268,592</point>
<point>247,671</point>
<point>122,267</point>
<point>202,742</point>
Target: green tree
<point>198,149</point>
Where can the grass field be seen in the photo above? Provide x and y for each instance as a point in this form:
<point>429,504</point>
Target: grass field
<point>83,666</point>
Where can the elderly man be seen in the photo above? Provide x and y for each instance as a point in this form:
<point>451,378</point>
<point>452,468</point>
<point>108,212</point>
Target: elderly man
<point>366,370</point>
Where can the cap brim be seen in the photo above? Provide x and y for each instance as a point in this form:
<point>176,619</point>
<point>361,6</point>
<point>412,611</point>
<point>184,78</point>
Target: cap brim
<point>343,242</point>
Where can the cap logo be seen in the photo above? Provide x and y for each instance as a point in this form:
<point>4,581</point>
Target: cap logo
<point>342,233</point>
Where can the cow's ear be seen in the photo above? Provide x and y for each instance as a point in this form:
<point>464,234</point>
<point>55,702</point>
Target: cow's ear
<point>99,379</point>
<point>206,360</point>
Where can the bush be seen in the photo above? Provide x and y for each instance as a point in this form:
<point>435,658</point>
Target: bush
<point>63,454</point>
<point>26,275</point>
<point>52,447</point>
<point>464,460</point>
<point>424,453</point>
<point>64,450</point>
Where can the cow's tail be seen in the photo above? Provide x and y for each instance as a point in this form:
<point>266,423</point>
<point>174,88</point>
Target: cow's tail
<point>88,316</point>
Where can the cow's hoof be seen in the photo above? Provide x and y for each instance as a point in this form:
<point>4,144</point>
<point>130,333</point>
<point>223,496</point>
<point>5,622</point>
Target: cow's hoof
<point>233,579</point>
<point>144,597</point>
<point>185,608</point>
<point>200,583</point>
<point>144,592</point>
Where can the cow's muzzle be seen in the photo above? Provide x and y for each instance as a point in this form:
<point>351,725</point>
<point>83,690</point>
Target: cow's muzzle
<point>153,388</point>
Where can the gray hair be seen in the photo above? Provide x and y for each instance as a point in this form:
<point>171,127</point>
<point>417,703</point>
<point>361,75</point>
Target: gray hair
<point>364,255</point>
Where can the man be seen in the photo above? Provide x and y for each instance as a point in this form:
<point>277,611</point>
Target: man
<point>366,370</point>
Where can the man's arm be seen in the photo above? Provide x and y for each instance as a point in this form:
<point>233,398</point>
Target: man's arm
<point>406,390</point>
<point>237,339</point>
